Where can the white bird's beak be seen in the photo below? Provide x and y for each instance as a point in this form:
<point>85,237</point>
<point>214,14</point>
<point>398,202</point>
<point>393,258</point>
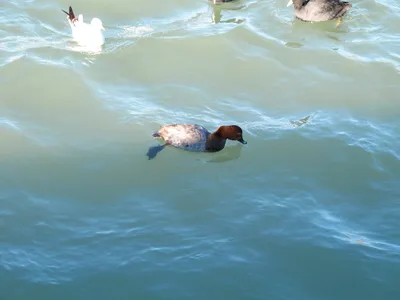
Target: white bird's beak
<point>102,28</point>
<point>290,3</point>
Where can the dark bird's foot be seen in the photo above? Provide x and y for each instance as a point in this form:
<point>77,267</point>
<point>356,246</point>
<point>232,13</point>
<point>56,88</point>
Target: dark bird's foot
<point>153,151</point>
<point>70,14</point>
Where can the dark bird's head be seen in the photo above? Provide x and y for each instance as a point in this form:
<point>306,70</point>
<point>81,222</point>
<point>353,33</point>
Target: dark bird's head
<point>232,132</point>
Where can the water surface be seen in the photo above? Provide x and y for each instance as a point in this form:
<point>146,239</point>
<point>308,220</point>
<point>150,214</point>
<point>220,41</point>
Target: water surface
<point>305,210</point>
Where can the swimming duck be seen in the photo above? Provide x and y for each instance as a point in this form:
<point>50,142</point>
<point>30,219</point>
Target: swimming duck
<point>319,10</point>
<point>195,138</point>
<point>85,34</point>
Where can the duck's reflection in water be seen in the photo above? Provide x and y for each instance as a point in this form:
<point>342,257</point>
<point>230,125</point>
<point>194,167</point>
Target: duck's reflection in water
<point>217,14</point>
<point>229,153</point>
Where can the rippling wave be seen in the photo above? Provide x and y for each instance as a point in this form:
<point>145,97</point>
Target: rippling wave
<point>312,199</point>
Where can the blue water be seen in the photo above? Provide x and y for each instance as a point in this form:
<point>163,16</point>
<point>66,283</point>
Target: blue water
<point>308,209</point>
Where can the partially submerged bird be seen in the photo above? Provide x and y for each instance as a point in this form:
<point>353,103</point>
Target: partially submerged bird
<point>195,138</point>
<point>85,34</point>
<point>319,10</point>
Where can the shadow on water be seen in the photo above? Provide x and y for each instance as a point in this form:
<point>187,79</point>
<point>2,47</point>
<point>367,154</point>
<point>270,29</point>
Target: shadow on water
<point>227,154</point>
<point>217,14</point>
<point>301,30</point>
<point>154,150</point>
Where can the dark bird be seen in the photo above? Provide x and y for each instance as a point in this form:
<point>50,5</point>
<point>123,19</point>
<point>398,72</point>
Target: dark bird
<point>193,137</point>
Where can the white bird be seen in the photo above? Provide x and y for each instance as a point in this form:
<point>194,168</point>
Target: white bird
<point>85,34</point>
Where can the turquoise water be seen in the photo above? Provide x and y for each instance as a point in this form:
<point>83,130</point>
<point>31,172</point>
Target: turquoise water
<point>308,209</point>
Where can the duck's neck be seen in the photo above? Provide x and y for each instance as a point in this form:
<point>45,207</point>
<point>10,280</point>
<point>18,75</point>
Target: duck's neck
<point>298,4</point>
<point>215,142</point>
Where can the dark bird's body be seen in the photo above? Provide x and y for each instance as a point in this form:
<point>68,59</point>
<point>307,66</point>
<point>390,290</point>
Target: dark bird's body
<point>193,137</point>
<point>320,10</point>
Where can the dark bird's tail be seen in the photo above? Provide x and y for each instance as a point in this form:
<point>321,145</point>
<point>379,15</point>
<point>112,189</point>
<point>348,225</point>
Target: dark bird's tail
<point>70,14</point>
<point>153,151</point>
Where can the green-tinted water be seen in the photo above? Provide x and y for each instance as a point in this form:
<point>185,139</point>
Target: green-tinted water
<point>304,211</point>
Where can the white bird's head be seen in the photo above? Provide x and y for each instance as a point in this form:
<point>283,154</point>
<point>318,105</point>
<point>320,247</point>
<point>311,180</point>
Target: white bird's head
<point>96,23</point>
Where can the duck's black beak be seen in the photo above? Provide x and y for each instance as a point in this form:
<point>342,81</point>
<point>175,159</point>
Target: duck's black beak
<point>242,141</point>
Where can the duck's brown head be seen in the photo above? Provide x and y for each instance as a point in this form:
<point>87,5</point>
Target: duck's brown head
<point>232,132</point>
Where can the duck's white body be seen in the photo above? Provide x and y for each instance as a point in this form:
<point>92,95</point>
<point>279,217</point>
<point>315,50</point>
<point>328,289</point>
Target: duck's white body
<point>185,136</point>
<point>86,34</point>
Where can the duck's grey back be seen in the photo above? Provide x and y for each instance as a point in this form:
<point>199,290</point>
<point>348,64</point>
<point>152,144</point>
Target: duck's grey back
<point>322,10</point>
<point>186,136</point>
